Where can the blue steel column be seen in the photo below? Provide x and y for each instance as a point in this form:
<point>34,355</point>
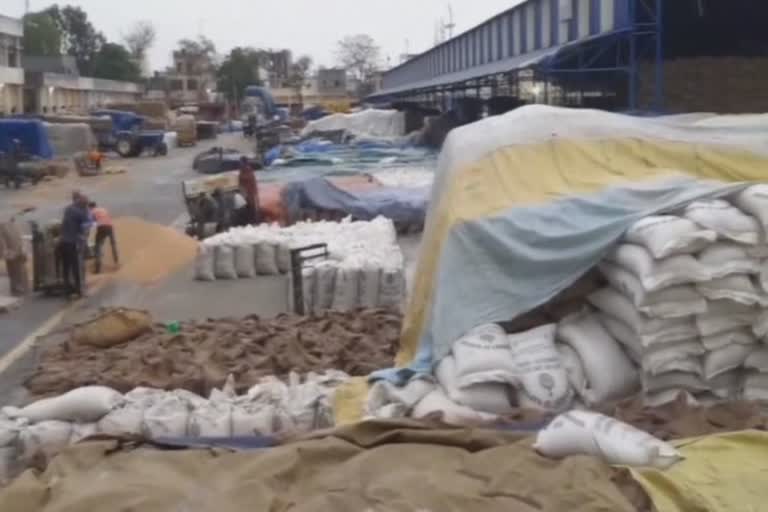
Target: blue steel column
<point>659,55</point>
<point>632,54</point>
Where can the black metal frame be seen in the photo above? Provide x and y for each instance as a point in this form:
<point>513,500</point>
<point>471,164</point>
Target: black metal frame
<point>298,259</point>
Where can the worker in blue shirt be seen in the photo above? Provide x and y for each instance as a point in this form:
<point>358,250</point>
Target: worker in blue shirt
<point>75,226</point>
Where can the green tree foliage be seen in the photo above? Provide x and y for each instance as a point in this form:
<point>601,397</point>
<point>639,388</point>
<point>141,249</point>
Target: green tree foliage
<point>239,70</point>
<point>115,62</point>
<point>42,36</point>
<point>80,39</point>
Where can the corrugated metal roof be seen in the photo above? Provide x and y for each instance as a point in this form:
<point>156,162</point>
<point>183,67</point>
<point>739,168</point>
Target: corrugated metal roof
<point>493,68</point>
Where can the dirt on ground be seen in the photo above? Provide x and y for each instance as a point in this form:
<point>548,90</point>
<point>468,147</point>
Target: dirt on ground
<point>201,355</point>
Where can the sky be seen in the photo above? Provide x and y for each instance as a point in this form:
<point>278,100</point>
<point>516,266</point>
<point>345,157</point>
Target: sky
<point>311,27</point>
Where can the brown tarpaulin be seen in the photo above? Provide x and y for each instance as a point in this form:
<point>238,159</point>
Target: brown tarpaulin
<point>372,466</point>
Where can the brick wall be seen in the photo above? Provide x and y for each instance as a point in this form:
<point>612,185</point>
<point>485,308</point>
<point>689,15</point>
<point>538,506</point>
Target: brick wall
<point>728,85</point>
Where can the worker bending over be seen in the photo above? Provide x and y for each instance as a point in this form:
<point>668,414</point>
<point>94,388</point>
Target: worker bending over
<point>104,231</point>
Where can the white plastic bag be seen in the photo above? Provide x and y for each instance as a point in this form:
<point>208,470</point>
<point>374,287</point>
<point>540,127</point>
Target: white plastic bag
<point>392,287</point>
<point>672,302</point>
<point>725,359</point>
<point>657,274</point>
<point>668,235</point>
<point>491,397</point>
<point>224,264</point>
<point>211,420</point>
<point>325,284</point>
<point>482,356</point>
<point>609,373</point>
<point>651,331</point>
<point>725,220</point>
<point>253,419</point>
<point>736,287</point>
<point>167,418</point>
<point>725,258</point>
<point>346,291</point>
<point>245,261</point>
<point>586,433</point>
<point>438,406</point>
<point>123,421</point>
<point>725,315</point>
<point>370,276</point>
<point>46,438</point>
<point>542,381</point>
<point>266,259</point>
<point>204,262</point>
<point>726,339</point>
<point>85,404</point>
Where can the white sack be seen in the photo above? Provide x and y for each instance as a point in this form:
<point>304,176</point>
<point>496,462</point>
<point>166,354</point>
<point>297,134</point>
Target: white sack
<point>541,379</point>
<point>737,288</point>
<point>85,404</point>
<point>760,325</point>
<point>370,277</point>
<point>754,201</point>
<point>308,288</point>
<point>725,220</point>
<point>657,274</point>
<point>144,397</point>
<point>726,386</point>
<point>483,355</point>
<point>253,419</point>
<point>224,264</point>
<point>325,284</point>
<point>671,302</point>
<point>437,404</point>
<point>757,360</point>
<point>725,339</point>
<point>725,359</point>
<point>283,258</point>
<point>683,365</point>
<point>386,399</point>
<point>212,420</point>
<point>492,397</point>
<point>668,235</point>
<point>677,356</point>
<point>46,438</point>
<point>574,368</point>
<point>266,259</point>
<point>673,380</point>
<point>755,387</point>
<point>204,262</point>
<point>346,294</point>
<point>651,331</point>
<point>167,418</point>
<point>725,258</point>
<point>624,334</point>
<point>82,431</point>
<point>123,421</point>
<point>723,316</point>
<point>666,397</point>
<point>392,287</point>
<point>9,431</point>
<point>609,373</point>
<point>586,433</point>
<point>245,261</point>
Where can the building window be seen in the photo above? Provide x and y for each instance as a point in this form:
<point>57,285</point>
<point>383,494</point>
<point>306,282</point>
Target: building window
<point>337,83</point>
<point>179,67</point>
<point>177,85</point>
<point>13,58</point>
<point>191,84</point>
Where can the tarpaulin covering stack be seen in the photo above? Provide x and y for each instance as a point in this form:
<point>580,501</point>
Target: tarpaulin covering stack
<point>70,138</point>
<point>31,133</point>
<point>526,203</point>
<point>372,122</point>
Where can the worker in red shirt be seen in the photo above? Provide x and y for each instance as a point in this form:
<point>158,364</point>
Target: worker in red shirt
<point>250,191</point>
<point>104,230</point>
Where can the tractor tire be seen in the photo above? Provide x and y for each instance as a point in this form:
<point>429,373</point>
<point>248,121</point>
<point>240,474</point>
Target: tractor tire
<point>161,149</point>
<point>126,147</point>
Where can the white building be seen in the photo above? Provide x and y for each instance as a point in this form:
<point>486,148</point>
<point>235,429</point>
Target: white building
<point>11,73</point>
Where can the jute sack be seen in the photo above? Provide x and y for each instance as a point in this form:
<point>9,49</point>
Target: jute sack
<point>113,327</point>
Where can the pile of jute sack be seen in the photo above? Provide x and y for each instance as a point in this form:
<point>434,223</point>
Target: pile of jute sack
<point>685,312</point>
<point>271,407</point>
<point>364,267</point>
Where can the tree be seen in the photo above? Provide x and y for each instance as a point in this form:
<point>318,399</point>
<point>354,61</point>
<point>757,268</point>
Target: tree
<point>79,37</point>
<point>139,40</point>
<point>42,36</point>
<point>202,52</point>
<point>297,77</point>
<point>360,55</point>
<point>115,62</point>
<point>239,70</point>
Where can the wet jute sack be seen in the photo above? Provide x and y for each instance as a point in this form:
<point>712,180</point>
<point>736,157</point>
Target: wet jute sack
<point>113,327</point>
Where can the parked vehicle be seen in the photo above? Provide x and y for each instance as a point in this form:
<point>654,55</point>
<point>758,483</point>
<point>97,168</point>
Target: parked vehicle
<point>128,138</point>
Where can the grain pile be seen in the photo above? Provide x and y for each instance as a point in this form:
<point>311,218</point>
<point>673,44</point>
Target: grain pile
<point>149,252</point>
<point>203,353</point>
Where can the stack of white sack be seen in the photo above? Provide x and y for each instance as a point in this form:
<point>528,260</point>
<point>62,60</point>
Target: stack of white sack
<point>365,266</point>
<point>45,427</point>
<point>686,297</point>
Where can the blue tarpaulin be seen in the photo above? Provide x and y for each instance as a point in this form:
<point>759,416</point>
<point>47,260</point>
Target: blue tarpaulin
<point>30,132</point>
<point>403,205</point>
